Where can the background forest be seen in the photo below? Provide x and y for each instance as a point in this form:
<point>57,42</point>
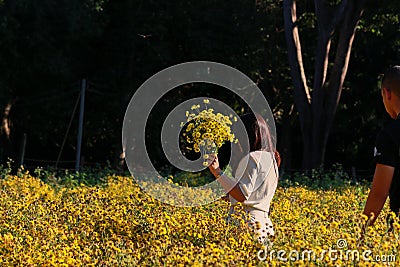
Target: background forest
<point>47,47</point>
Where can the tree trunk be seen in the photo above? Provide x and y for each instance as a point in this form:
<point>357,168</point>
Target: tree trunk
<point>302,97</point>
<point>5,132</point>
<point>317,112</point>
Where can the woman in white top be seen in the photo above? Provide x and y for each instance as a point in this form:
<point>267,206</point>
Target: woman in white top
<point>258,175</point>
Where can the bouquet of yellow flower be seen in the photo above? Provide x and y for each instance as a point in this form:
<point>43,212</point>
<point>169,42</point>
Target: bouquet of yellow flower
<point>207,131</point>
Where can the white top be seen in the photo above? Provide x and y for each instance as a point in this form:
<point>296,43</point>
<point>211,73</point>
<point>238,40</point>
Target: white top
<point>258,180</point>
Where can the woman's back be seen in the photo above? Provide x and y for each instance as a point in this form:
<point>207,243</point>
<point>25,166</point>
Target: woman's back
<point>258,178</point>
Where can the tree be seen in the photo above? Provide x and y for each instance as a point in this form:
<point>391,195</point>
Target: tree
<point>317,106</point>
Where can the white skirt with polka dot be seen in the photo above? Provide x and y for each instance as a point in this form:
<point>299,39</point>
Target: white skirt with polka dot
<point>262,226</point>
<point>260,223</point>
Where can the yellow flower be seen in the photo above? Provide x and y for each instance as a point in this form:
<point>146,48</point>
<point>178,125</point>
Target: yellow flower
<point>118,223</point>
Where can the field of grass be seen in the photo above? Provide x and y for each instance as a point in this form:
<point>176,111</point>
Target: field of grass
<point>65,221</point>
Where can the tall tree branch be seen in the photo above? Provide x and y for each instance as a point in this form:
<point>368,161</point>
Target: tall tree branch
<point>347,32</point>
<point>323,14</point>
<point>301,91</point>
<point>294,49</point>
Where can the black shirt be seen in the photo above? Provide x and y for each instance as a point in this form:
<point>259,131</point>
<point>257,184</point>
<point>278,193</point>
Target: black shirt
<point>387,152</point>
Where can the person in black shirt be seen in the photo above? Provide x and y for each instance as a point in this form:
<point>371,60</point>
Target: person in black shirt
<point>386,181</point>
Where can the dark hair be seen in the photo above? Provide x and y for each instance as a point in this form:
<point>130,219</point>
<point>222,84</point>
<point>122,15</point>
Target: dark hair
<point>391,79</point>
<point>257,132</point>
<point>259,137</point>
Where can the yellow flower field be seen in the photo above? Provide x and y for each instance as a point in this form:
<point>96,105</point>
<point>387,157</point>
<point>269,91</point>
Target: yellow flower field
<point>116,224</point>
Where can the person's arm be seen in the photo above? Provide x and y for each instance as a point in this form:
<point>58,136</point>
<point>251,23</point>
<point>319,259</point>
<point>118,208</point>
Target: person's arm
<point>278,158</point>
<point>380,190</point>
<point>235,192</point>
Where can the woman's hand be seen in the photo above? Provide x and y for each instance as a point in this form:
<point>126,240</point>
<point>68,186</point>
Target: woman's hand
<point>213,165</point>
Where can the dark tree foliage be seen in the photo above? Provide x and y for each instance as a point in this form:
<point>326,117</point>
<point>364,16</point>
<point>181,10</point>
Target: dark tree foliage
<point>48,46</point>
